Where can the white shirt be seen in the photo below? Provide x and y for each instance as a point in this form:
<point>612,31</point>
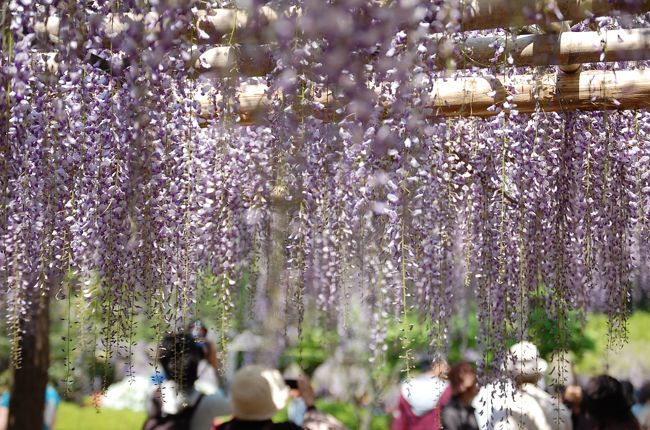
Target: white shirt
<point>211,406</point>
<point>500,406</point>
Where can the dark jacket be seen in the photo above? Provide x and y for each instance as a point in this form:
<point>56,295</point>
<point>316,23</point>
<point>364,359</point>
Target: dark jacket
<point>236,424</point>
<point>456,416</point>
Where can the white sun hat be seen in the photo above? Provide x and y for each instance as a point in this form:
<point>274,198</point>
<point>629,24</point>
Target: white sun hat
<point>258,393</point>
<point>524,360</point>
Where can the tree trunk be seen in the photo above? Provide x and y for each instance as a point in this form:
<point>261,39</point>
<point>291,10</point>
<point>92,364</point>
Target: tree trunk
<point>27,401</point>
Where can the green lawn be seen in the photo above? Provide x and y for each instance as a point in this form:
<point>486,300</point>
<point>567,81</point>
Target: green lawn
<point>73,417</point>
<point>632,361</point>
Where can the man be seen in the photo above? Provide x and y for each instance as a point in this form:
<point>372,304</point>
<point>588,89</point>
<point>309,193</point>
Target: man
<point>422,398</point>
<point>176,403</point>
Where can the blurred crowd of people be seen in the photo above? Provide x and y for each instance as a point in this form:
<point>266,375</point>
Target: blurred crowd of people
<point>188,394</point>
<point>441,397</point>
<point>256,393</point>
<point>451,398</point>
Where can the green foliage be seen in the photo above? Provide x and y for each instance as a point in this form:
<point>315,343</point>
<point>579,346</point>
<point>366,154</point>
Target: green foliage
<point>544,331</point>
<point>407,344</point>
<point>462,333</point>
<point>214,309</point>
<point>73,417</point>
<point>348,414</point>
<point>315,345</point>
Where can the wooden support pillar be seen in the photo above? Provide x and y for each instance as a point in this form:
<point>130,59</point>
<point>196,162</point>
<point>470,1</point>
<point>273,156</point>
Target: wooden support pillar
<point>482,96</point>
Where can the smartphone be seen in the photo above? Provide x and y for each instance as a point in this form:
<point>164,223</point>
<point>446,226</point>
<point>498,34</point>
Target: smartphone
<point>292,383</point>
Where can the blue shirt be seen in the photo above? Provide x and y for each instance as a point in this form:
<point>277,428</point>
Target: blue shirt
<point>52,400</point>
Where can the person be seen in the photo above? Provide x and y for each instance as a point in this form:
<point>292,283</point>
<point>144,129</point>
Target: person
<point>606,406</point>
<point>257,394</point>
<point>643,407</point>
<point>176,401</point>
<point>572,399</point>
<point>459,414</point>
<point>298,412</point>
<point>297,407</point>
<point>518,403</point>
<point>422,398</point>
<point>527,378</point>
<point>209,376</point>
<point>52,401</point>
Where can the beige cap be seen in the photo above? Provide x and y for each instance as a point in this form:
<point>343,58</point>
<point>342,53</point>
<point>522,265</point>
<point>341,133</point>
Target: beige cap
<point>258,393</point>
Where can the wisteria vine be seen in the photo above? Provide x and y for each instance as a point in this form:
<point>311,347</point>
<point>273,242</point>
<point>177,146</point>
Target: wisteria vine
<point>112,171</point>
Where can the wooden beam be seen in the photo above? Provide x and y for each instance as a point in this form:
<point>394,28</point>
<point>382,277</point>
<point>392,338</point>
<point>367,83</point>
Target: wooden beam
<point>247,60</point>
<point>525,50</point>
<point>112,24</point>
<point>481,96</point>
<point>226,26</point>
<point>486,14</point>
<point>586,90</point>
<point>253,101</point>
<point>553,49</point>
<point>220,25</point>
<point>567,48</point>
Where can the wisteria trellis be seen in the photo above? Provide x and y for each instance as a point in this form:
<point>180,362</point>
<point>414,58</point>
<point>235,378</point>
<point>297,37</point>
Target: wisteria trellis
<point>110,170</point>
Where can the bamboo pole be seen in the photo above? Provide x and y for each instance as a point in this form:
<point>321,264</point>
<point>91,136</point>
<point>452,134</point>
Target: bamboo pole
<point>586,90</point>
<point>566,48</point>
<point>217,25</point>
<point>525,50</point>
<point>552,49</point>
<point>480,96</point>
<point>486,14</point>
<point>248,60</point>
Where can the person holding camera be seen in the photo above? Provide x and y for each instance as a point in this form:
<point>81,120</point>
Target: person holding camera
<point>176,403</point>
<point>209,380</point>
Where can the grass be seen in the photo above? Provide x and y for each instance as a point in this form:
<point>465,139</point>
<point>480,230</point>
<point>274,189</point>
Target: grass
<point>73,417</point>
<point>631,361</point>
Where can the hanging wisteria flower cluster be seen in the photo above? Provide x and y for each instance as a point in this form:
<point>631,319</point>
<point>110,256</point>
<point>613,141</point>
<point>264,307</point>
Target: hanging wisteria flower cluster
<point>343,184</point>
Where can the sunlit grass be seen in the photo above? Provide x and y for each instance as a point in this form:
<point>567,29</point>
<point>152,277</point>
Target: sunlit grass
<point>73,417</point>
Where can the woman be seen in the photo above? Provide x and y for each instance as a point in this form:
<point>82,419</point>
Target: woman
<point>459,414</point>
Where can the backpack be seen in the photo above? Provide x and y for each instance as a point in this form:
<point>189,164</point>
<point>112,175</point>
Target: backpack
<point>179,421</point>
